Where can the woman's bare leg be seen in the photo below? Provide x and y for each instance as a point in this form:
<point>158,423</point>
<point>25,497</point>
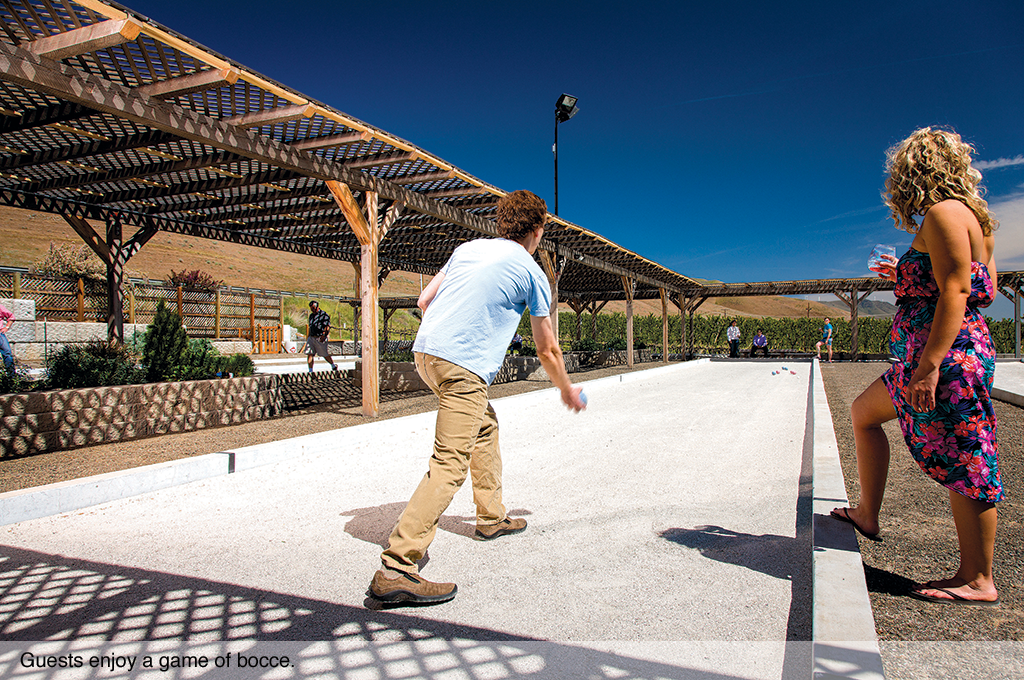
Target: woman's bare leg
<point>869,411</point>
<point>976,531</point>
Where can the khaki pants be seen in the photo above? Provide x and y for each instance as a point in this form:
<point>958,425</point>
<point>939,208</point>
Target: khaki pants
<point>465,440</point>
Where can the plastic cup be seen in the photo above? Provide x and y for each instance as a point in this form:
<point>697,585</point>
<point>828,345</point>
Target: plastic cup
<point>875,260</point>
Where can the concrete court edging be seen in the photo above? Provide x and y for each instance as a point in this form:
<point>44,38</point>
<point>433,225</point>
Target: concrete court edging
<point>845,643</point>
<point>76,494</point>
<point>53,499</point>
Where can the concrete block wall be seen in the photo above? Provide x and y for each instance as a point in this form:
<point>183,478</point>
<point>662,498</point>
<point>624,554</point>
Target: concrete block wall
<point>37,422</point>
<point>395,376</point>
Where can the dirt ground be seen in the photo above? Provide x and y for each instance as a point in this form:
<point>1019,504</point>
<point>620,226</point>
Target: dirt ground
<point>918,537</point>
<point>919,542</point>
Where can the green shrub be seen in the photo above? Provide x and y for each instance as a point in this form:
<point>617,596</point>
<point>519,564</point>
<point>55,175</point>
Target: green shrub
<point>586,345</point>
<point>96,364</point>
<point>617,345</point>
<point>166,342</point>
<point>199,361</point>
<point>12,382</point>
<point>402,355</point>
<point>237,364</point>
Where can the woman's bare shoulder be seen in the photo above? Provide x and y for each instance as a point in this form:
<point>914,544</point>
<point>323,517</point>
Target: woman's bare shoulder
<point>950,209</point>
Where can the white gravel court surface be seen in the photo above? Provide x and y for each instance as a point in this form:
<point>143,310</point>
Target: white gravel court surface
<point>666,539</point>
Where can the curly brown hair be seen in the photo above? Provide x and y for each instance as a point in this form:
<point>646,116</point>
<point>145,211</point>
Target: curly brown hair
<point>930,166</point>
<point>519,213</point>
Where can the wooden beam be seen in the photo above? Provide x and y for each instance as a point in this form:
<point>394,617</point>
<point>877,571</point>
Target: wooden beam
<point>333,140</point>
<point>424,177</point>
<point>89,235</point>
<point>86,39</point>
<point>389,219</point>
<point>129,172</point>
<point>353,215</point>
<point>280,114</point>
<point>210,79</point>
<point>456,192</point>
<point>379,159</point>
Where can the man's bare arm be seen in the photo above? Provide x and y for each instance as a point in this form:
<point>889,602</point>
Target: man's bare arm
<point>550,355</point>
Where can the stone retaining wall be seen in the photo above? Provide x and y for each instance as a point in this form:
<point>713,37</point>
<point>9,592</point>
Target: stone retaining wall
<point>37,422</point>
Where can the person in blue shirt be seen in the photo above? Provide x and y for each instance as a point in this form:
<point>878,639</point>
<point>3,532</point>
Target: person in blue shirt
<point>826,339</point>
<point>760,344</point>
<point>471,310</point>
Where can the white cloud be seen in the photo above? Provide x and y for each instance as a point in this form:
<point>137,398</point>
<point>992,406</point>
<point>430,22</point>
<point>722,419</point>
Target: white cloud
<point>999,163</point>
<point>1010,235</point>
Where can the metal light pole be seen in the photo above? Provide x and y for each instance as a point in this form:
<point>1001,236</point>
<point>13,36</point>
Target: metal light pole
<point>565,108</point>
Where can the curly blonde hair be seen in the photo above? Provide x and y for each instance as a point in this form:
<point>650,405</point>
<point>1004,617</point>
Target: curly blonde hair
<point>929,166</point>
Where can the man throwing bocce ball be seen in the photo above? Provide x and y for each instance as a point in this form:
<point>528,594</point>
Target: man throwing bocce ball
<point>471,310</point>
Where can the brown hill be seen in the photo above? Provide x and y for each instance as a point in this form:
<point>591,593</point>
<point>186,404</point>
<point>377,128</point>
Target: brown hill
<point>26,236</point>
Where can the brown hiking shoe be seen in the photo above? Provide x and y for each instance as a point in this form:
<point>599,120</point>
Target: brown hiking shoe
<point>502,528</point>
<point>410,588</point>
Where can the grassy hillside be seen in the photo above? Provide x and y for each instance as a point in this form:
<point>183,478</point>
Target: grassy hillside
<point>25,238</point>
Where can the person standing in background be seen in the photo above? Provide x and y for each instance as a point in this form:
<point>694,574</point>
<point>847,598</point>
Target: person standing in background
<point>732,333</point>
<point>826,339</point>
<point>319,330</point>
<point>6,321</point>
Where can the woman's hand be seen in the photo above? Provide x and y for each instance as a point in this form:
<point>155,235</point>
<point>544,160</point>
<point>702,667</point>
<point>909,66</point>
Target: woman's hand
<point>886,269</point>
<point>921,390</point>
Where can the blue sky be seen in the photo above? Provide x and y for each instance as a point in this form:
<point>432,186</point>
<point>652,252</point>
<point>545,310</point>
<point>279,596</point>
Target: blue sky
<point>739,141</point>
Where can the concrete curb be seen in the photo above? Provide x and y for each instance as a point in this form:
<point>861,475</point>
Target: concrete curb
<point>845,643</point>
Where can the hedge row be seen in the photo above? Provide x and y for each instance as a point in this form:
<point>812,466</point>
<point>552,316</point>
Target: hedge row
<point>708,332</point>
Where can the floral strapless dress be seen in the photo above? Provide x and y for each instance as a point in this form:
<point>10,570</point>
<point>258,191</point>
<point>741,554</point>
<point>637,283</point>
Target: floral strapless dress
<point>955,444</point>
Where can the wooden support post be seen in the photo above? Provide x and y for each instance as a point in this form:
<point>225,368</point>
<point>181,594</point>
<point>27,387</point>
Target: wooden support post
<point>252,320</point>
<point>17,285</point>
<point>1016,325</point>
<point>551,270</point>
<point>181,306</point>
<point>131,306</point>
<point>595,309</point>
<point>216,314</point>
<point>81,300</point>
<point>115,277</point>
<point>368,230</point>
<point>630,287</point>
<point>388,313</point>
<point>853,302</point>
<point>356,288</point>
<point>664,325</point>
<point>578,307</point>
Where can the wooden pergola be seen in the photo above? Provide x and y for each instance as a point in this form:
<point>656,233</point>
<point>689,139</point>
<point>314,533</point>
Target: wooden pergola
<point>108,117</point>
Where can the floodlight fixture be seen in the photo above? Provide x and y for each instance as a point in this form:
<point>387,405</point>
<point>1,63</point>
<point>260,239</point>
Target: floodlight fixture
<point>565,108</point>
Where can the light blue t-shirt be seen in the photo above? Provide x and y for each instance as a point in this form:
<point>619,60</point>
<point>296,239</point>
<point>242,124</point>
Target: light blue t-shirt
<point>487,285</point>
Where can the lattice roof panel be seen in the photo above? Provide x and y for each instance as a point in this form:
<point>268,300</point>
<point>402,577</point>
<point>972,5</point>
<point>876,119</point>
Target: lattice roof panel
<point>103,110</point>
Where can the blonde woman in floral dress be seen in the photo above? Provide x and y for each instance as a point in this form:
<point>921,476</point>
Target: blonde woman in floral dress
<point>940,386</point>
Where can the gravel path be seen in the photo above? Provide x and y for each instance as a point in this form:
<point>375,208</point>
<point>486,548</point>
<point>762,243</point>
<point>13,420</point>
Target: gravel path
<point>919,542</point>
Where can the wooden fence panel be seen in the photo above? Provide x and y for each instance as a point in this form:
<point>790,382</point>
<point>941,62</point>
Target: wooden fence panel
<point>58,299</point>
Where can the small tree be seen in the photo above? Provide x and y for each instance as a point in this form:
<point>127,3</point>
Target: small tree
<point>166,342</point>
